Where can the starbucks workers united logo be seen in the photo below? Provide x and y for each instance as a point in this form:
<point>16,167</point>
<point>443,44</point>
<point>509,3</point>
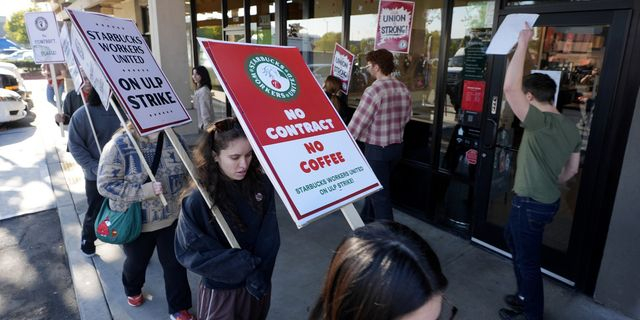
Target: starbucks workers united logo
<point>272,77</point>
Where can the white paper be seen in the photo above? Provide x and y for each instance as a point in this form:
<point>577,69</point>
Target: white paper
<point>556,76</point>
<point>507,34</point>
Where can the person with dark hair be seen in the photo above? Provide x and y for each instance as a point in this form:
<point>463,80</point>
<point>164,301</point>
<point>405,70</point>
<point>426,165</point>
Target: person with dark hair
<point>236,283</point>
<point>383,271</point>
<point>331,88</point>
<point>202,97</point>
<point>83,148</point>
<point>378,122</point>
<point>549,155</point>
<point>122,179</point>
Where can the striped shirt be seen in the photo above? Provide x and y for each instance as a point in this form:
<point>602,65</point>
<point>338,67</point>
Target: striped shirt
<point>384,110</point>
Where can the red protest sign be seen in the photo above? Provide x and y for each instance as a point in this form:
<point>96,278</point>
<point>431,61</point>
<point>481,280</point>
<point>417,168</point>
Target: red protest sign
<point>342,65</point>
<point>297,135</point>
<point>395,20</point>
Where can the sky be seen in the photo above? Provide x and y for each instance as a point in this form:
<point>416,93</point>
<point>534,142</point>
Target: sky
<point>8,7</point>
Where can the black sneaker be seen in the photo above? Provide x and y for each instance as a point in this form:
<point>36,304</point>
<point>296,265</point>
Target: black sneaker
<point>88,248</point>
<point>508,314</point>
<point>515,302</point>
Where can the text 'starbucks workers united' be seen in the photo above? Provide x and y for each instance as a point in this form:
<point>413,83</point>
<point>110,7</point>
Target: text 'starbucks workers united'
<point>272,77</point>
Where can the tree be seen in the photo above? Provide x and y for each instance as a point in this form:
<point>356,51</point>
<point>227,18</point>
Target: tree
<point>327,42</point>
<point>15,28</point>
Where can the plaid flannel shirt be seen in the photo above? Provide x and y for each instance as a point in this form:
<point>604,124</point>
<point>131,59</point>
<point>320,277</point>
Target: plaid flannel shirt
<point>383,111</point>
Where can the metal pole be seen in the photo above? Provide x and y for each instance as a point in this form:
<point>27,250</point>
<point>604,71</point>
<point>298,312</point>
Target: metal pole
<point>54,83</point>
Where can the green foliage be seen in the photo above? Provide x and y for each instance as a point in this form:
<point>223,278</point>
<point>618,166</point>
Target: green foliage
<point>327,42</point>
<point>210,32</point>
<point>15,27</point>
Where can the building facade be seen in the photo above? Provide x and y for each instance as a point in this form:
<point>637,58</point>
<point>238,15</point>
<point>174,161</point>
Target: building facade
<point>462,141</point>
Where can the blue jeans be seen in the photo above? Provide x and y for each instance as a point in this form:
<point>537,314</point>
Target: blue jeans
<point>382,161</point>
<point>523,234</point>
<point>51,93</point>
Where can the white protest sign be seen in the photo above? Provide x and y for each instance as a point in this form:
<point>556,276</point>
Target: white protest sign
<point>555,76</point>
<point>72,67</point>
<point>44,37</point>
<point>341,67</point>
<point>507,34</point>
<point>91,69</point>
<point>132,72</point>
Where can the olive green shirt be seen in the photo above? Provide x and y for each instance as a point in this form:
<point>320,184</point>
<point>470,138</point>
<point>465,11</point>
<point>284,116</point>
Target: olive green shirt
<point>548,141</point>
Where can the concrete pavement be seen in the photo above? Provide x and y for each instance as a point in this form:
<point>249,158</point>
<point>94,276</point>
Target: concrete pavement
<point>478,279</point>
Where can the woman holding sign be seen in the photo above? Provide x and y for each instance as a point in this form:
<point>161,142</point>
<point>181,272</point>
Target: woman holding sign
<point>236,283</point>
<point>122,179</point>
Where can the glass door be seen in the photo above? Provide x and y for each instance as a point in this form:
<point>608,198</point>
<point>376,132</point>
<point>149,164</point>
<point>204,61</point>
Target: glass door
<point>582,53</point>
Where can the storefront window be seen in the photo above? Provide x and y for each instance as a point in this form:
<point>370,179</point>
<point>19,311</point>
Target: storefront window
<point>417,69</point>
<point>314,27</point>
<point>531,2</point>
<point>465,90</point>
<point>263,25</point>
<point>208,24</point>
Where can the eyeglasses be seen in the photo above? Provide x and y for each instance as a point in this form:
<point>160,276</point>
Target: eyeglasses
<point>369,65</point>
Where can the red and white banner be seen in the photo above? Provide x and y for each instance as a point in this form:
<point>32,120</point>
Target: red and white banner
<point>44,37</point>
<point>342,66</point>
<point>303,146</point>
<point>395,20</point>
<point>132,72</point>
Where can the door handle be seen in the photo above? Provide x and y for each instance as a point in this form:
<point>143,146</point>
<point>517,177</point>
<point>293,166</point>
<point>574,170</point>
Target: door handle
<point>489,138</point>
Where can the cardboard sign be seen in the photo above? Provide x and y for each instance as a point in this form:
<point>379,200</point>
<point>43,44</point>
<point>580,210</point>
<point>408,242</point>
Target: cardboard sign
<point>303,146</point>
<point>507,35</point>
<point>395,20</point>
<point>132,72</point>
<point>473,95</point>
<point>42,29</point>
<point>72,66</point>
<point>90,67</point>
<point>342,66</point>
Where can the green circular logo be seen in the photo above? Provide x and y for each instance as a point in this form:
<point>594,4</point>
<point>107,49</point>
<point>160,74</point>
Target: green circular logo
<point>272,77</point>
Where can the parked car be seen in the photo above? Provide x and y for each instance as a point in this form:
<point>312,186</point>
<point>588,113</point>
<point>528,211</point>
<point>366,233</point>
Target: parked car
<point>12,108</point>
<point>20,55</point>
<point>10,79</point>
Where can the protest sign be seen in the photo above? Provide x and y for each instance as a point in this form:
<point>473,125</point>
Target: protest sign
<point>342,66</point>
<point>303,146</point>
<point>42,29</point>
<point>132,72</point>
<point>395,20</point>
<point>91,69</point>
<point>72,66</point>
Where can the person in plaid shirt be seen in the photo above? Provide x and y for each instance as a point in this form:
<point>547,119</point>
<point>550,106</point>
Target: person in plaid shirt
<point>379,121</point>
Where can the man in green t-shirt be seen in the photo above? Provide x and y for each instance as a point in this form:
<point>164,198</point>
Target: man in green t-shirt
<point>549,155</point>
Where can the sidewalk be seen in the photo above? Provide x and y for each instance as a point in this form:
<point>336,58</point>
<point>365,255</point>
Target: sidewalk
<point>478,279</point>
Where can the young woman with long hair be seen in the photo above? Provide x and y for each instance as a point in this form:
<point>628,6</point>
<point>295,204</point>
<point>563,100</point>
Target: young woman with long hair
<point>383,271</point>
<point>236,283</point>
